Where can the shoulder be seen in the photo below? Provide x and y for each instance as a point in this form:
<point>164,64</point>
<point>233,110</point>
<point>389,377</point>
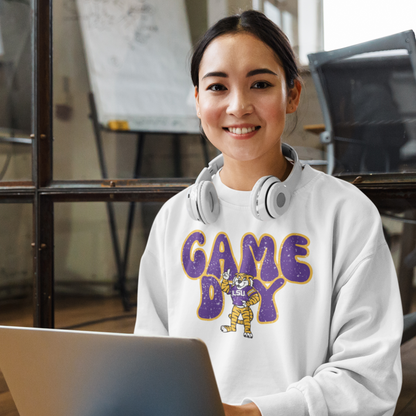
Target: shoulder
<point>340,208</point>
<point>318,180</point>
<point>337,195</point>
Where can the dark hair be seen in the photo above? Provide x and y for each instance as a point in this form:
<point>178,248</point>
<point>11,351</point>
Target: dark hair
<point>259,25</point>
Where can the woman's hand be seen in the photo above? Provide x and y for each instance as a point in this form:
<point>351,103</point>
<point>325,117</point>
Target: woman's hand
<point>249,409</point>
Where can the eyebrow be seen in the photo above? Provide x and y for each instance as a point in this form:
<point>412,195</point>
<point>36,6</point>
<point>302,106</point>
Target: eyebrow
<point>260,71</point>
<point>249,74</point>
<point>215,74</point>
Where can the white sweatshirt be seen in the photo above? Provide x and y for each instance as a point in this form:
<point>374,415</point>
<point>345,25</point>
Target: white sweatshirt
<point>326,313</point>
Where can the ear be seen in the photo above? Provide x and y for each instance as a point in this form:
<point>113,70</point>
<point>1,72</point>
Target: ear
<point>293,97</point>
<point>197,102</point>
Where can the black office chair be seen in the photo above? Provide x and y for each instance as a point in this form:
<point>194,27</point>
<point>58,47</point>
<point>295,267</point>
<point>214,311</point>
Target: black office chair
<point>367,94</point>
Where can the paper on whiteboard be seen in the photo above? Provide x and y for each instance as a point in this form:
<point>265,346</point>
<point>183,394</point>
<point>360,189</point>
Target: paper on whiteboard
<point>137,54</point>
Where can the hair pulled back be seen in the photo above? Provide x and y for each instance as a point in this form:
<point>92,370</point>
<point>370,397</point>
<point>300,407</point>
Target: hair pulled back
<point>257,24</point>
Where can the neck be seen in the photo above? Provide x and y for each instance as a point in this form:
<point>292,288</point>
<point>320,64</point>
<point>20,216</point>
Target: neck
<point>243,175</point>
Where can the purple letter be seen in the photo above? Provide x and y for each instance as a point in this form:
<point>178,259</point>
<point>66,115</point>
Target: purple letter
<point>267,308</point>
<point>212,298</point>
<point>194,265</point>
<point>253,253</point>
<point>292,269</point>
<point>221,252</point>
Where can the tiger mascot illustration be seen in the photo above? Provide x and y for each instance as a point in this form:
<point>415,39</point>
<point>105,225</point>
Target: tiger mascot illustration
<point>243,296</point>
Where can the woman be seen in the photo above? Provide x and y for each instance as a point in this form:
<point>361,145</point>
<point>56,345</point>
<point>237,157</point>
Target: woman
<point>281,270</point>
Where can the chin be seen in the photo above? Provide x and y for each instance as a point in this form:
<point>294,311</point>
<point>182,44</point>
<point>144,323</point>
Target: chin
<point>242,157</point>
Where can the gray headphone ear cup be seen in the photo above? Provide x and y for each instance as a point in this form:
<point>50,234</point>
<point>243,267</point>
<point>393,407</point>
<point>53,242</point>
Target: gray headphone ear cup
<point>258,197</point>
<point>254,197</point>
<point>208,204</point>
<point>191,202</point>
<point>278,199</point>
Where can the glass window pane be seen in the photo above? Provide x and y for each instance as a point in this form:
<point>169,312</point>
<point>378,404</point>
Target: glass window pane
<point>15,90</point>
<point>83,64</point>
<point>86,267</point>
<point>16,270</point>
<point>340,15</point>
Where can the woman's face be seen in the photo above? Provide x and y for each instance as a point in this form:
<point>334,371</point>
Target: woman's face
<point>242,99</point>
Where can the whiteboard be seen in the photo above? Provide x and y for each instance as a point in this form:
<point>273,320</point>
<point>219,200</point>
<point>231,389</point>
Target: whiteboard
<point>137,55</point>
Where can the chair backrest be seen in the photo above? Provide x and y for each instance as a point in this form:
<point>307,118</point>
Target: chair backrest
<point>367,93</point>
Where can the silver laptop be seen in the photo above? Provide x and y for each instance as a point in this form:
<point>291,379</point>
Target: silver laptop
<point>77,373</point>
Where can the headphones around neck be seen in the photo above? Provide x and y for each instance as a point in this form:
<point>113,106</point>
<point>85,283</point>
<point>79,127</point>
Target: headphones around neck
<point>269,198</point>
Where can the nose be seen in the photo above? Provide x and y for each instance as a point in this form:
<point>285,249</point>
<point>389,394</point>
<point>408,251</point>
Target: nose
<point>239,104</point>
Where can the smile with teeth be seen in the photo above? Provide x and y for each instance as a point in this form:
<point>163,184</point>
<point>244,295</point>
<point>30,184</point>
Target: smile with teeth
<point>243,130</point>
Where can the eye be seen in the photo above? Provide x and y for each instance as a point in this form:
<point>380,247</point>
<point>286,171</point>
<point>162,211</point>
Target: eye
<point>216,87</point>
<point>260,85</point>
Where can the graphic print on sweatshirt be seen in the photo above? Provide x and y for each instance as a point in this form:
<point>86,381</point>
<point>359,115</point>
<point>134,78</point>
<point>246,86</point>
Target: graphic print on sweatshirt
<point>243,296</point>
<point>260,275</point>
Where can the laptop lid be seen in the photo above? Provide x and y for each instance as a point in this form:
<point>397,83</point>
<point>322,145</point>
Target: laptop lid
<point>79,373</point>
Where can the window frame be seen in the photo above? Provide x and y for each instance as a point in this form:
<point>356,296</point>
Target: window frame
<point>43,191</point>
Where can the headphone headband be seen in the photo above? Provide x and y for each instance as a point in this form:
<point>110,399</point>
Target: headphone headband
<point>270,197</point>
<point>294,175</point>
<point>218,162</point>
<point>213,167</point>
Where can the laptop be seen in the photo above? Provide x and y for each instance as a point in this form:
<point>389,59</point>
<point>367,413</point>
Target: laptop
<point>77,373</point>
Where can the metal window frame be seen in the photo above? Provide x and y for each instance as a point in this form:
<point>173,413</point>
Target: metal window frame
<point>43,191</point>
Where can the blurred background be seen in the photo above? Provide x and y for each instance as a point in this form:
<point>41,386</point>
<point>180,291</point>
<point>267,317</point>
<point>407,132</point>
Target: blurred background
<point>84,259</point>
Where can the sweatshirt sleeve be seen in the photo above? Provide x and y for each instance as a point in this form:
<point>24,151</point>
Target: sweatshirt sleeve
<point>362,374</point>
<point>152,311</point>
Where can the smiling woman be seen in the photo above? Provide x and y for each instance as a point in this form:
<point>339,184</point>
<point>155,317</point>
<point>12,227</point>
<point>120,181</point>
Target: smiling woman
<point>281,270</point>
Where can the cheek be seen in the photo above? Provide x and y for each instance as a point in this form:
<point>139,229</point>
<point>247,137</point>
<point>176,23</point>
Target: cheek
<point>273,112</point>
<point>210,115</point>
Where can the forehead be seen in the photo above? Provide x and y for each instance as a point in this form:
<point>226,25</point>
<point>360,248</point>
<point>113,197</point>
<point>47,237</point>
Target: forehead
<point>240,50</point>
